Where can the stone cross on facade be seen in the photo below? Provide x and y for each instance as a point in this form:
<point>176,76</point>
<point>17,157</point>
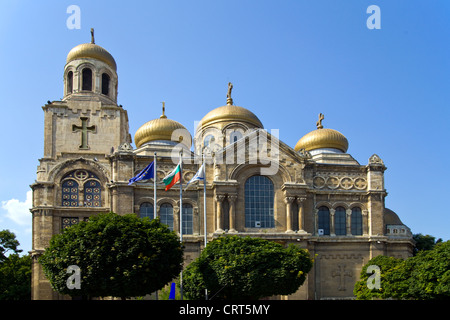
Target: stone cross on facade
<point>84,128</point>
<point>341,273</point>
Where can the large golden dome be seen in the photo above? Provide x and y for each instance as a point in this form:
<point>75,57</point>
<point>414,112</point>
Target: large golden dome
<point>322,138</point>
<point>93,51</point>
<point>230,113</point>
<point>162,129</point>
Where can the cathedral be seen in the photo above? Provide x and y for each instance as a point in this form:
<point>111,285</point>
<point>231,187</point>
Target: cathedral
<point>314,194</point>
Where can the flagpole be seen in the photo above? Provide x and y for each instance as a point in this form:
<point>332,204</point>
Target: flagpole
<point>204,200</point>
<point>181,217</point>
<point>204,210</point>
<point>154,186</point>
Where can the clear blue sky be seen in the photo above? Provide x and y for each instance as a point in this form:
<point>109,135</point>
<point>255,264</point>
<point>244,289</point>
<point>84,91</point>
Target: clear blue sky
<point>386,90</point>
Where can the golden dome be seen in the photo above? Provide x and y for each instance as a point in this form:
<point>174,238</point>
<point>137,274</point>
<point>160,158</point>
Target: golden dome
<point>93,51</point>
<point>230,113</point>
<point>161,129</point>
<point>322,138</point>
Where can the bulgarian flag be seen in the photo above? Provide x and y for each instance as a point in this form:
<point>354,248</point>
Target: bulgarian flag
<point>173,177</point>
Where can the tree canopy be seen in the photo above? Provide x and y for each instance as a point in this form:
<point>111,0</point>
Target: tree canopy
<point>425,276</point>
<point>120,256</point>
<point>234,267</point>
<point>15,271</point>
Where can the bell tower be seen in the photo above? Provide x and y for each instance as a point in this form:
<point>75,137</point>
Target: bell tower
<point>80,132</point>
<point>87,120</point>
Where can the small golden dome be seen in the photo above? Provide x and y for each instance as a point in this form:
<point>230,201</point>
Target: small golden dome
<point>92,51</point>
<point>161,129</point>
<point>230,113</point>
<point>322,138</point>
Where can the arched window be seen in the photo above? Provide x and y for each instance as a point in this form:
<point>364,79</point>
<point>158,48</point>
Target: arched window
<point>166,215</point>
<point>146,210</point>
<point>235,136</point>
<point>92,194</point>
<point>259,198</point>
<point>356,223</point>
<point>105,83</point>
<point>69,82</point>
<point>340,225</point>
<point>70,193</point>
<point>324,220</point>
<point>86,79</point>
<point>188,219</point>
<point>208,141</point>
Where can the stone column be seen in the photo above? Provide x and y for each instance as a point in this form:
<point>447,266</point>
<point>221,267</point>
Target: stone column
<point>349,221</point>
<point>332,232</point>
<point>301,218</point>
<point>176,219</point>
<point>365,222</point>
<point>232,213</point>
<point>219,217</point>
<point>288,201</point>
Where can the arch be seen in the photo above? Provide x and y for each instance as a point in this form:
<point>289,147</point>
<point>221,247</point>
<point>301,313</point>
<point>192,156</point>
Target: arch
<point>340,204</point>
<point>62,169</point>
<point>340,221</point>
<point>86,79</point>
<point>323,217</point>
<point>259,202</point>
<point>246,170</point>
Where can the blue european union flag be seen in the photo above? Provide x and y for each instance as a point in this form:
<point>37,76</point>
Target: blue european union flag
<point>145,174</point>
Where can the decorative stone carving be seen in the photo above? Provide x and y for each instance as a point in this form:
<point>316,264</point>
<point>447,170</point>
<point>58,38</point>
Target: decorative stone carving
<point>346,183</point>
<point>360,183</point>
<point>319,182</point>
<point>126,146</point>
<point>375,159</point>
<point>332,182</point>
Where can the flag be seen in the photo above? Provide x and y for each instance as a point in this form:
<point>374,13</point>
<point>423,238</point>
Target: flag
<point>145,174</point>
<point>173,177</point>
<point>200,175</point>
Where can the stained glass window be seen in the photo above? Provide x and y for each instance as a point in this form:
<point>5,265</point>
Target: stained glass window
<point>92,194</point>
<point>68,222</point>
<point>70,193</point>
<point>259,202</point>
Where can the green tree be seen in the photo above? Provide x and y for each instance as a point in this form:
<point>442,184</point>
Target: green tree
<point>120,256</point>
<point>8,242</point>
<point>234,267</point>
<point>425,276</point>
<point>15,271</point>
<point>15,278</point>
<point>429,276</point>
<point>424,242</point>
<point>386,265</point>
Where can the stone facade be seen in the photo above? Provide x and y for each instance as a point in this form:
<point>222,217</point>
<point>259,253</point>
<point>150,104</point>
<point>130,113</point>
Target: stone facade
<point>88,160</point>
